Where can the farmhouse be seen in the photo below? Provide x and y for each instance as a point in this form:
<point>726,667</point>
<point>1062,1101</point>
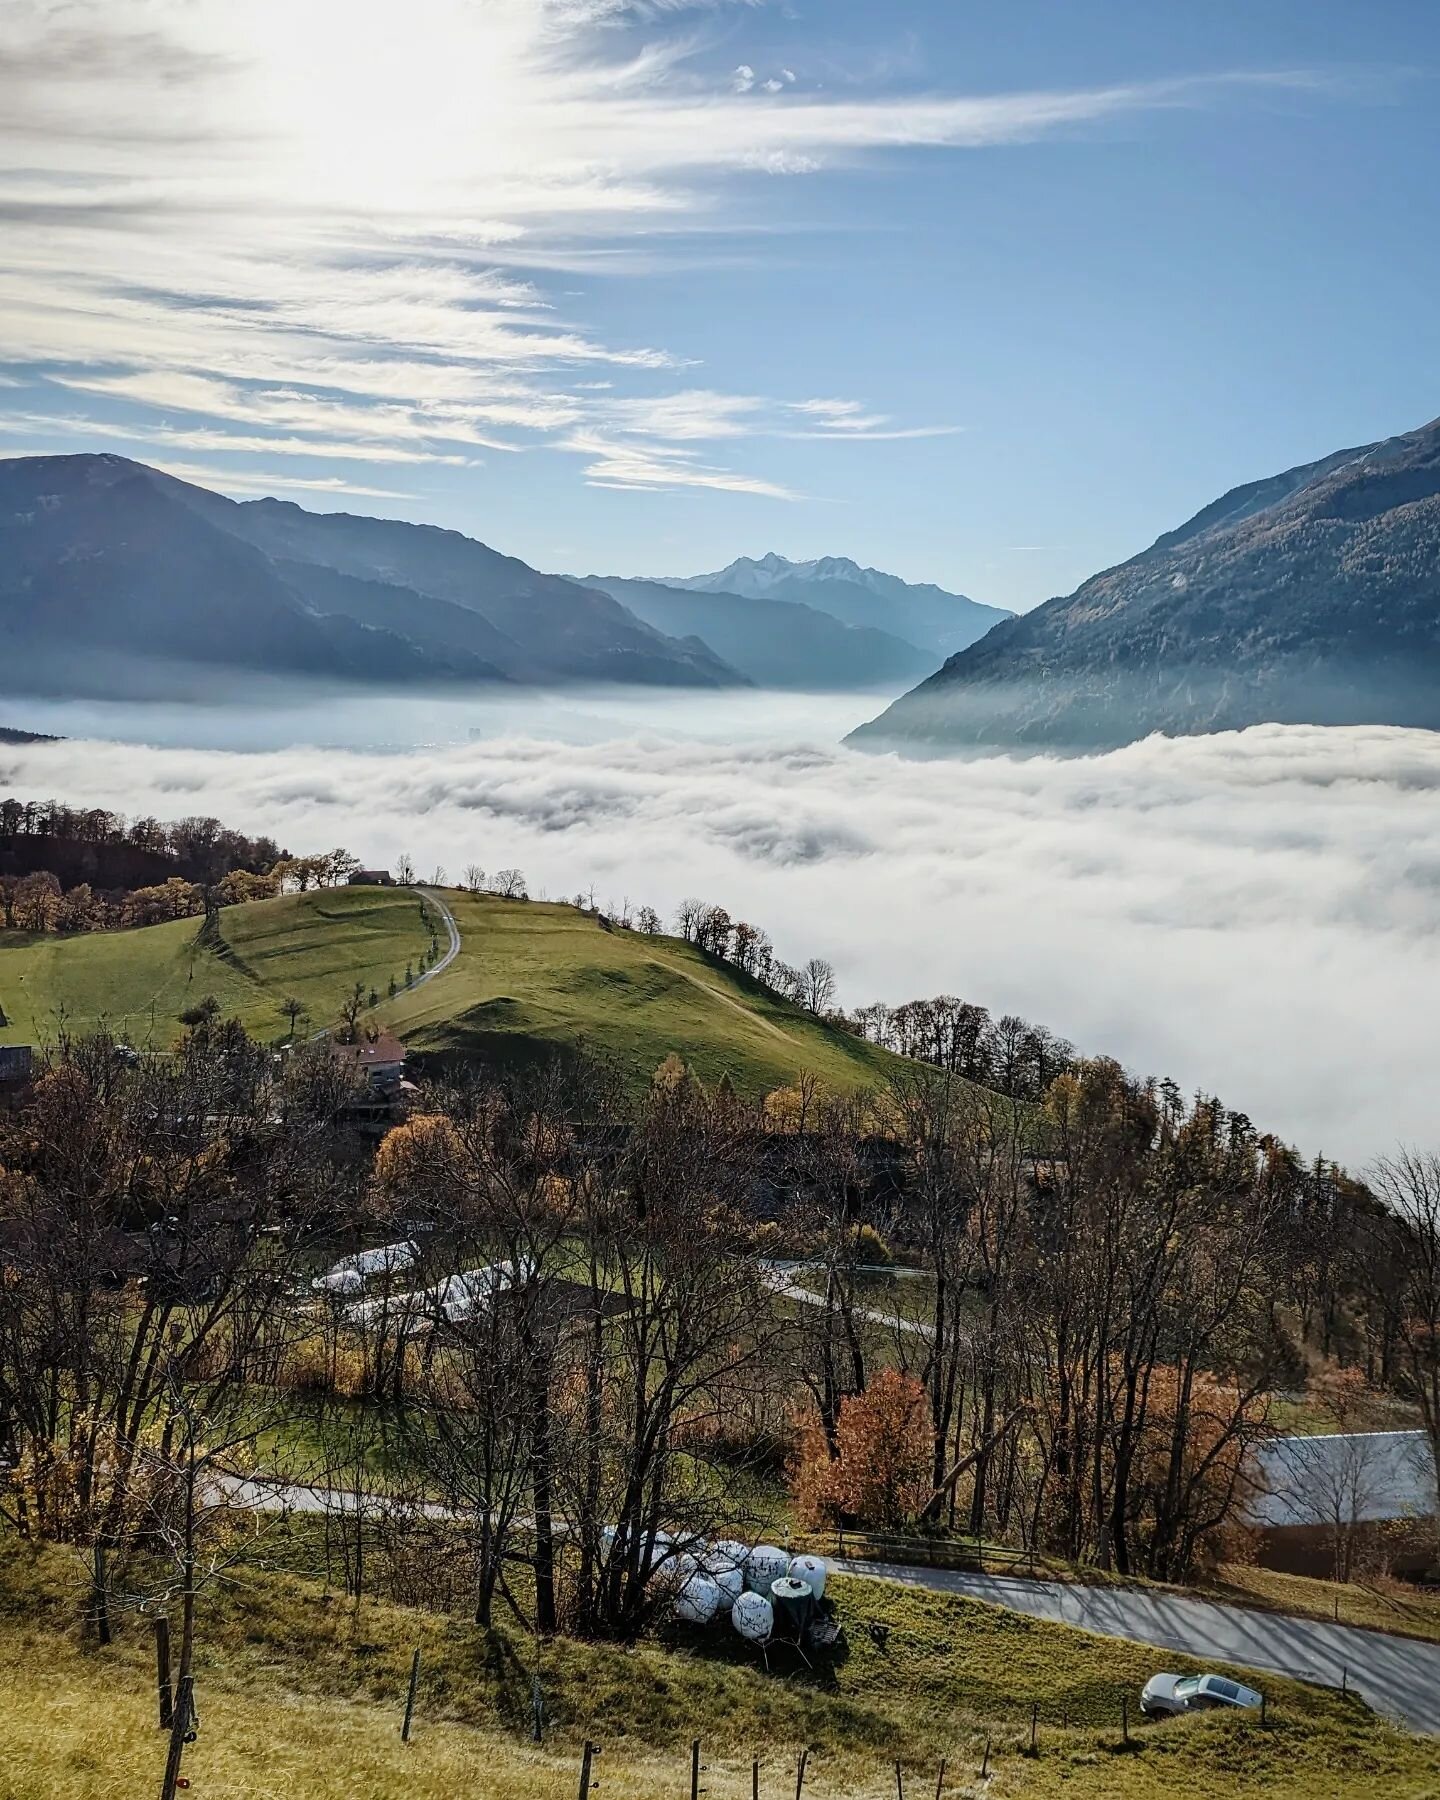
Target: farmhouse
<point>381,1059</point>
<point>372,878</point>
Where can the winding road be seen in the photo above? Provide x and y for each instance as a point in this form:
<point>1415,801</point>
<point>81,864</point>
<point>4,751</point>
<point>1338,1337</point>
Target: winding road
<point>1397,1676</point>
<point>452,949</point>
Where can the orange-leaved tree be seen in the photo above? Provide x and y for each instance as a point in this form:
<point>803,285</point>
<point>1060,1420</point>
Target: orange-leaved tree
<point>881,1474</point>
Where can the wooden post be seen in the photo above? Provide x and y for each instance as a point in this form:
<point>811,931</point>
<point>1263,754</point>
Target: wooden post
<point>1344,1679</point>
<point>1034,1725</point>
<point>755,1778</point>
<point>695,1769</point>
<point>184,1702</point>
<point>410,1697</point>
<point>899,1783</point>
<point>940,1779</point>
<point>1125,1719</point>
<point>537,1708</point>
<point>800,1773</point>
<point>985,1761</point>
<point>585,1757</point>
<point>162,1671</point>
<point>1262,1709</point>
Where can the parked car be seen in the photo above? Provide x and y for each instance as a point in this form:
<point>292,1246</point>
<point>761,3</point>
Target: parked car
<point>1164,1695</point>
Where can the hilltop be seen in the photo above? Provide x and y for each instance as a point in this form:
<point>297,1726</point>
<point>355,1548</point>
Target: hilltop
<point>531,978</point>
<point>1310,597</point>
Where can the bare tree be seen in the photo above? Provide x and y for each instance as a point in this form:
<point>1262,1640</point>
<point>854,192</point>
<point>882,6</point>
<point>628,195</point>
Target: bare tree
<point>1409,1185</point>
<point>405,871</point>
<point>817,985</point>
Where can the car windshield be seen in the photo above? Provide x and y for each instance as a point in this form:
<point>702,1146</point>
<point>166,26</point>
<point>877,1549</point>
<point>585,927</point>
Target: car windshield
<point>1184,1689</point>
<point>1223,1690</point>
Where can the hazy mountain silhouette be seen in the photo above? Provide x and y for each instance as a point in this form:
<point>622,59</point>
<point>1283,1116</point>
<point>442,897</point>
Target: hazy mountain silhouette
<point>920,613</point>
<point>114,575</point>
<point>776,643</point>
<point>1310,597</point>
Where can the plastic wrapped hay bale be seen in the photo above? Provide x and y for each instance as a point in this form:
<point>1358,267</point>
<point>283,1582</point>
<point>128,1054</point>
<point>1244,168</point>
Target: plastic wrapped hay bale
<point>753,1617</point>
<point>765,1564</point>
<point>724,1563</point>
<point>793,1603</point>
<point>697,1600</point>
<point>813,1569</point>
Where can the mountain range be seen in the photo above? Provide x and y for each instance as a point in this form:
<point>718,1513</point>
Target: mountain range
<point>113,575</point>
<point>116,578</point>
<point>1311,597</point>
<point>920,614</point>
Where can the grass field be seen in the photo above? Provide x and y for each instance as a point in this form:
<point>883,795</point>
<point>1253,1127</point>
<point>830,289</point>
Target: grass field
<point>529,978</point>
<point>313,946</point>
<point>300,1695</point>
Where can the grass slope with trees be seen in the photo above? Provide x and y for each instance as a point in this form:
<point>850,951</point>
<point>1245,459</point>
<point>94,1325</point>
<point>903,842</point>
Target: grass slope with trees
<point>531,978</point>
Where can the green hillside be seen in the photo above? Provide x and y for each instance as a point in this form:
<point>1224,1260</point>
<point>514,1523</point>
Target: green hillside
<point>313,946</point>
<point>529,978</point>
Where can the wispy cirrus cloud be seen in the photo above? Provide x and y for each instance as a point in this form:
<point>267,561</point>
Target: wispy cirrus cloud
<point>333,229</point>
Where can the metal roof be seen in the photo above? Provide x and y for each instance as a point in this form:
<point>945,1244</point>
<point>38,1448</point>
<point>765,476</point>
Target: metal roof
<point>1363,1477</point>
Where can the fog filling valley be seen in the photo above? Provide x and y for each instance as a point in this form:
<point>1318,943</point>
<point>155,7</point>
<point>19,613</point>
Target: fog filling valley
<point>1252,913</point>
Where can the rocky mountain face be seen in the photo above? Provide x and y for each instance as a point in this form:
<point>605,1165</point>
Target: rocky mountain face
<point>114,575</point>
<point>934,621</point>
<point>1310,597</point>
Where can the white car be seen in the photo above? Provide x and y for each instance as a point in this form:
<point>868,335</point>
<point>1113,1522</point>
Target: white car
<point>1165,1695</point>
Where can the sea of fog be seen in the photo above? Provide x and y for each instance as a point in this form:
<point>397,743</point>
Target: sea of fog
<point>1253,913</point>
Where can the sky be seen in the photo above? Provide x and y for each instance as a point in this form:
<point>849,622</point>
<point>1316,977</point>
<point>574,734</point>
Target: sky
<point>985,292</point>
<point>1254,913</point>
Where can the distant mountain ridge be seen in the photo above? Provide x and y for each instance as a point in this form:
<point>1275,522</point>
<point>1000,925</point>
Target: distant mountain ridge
<point>1310,597</point>
<point>775,643</point>
<point>113,573</point>
<point>919,613</point>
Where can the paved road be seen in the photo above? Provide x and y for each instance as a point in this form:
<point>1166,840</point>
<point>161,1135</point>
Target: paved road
<point>1397,1676</point>
<point>780,1279</point>
<point>453,948</point>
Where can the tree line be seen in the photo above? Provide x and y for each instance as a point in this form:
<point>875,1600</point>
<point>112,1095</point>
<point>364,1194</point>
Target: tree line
<point>66,869</point>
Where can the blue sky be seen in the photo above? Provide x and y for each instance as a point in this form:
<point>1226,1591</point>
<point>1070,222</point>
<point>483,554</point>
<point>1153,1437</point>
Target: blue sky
<point>986,294</point>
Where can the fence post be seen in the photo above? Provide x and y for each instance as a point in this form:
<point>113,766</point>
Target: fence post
<point>537,1707</point>
<point>162,1671</point>
<point>985,1761</point>
<point>940,1779</point>
<point>755,1778</point>
<point>585,1757</point>
<point>1034,1726</point>
<point>695,1769</point>
<point>410,1697</point>
<point>800,1773</point>
<point>899,1783</point>
<point>1125,1720</point>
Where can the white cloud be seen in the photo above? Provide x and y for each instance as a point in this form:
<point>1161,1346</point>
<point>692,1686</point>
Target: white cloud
<point>352,196</point>
<point>629,463</point>
<point>1256,914</point>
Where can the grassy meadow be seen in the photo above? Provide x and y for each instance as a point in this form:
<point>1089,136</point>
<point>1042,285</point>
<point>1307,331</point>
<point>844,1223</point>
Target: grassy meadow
<point>300,1694</point>
<point>531,978</point>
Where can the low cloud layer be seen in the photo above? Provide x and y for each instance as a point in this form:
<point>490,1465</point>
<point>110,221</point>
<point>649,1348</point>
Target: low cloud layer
<point>1253,913</point>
